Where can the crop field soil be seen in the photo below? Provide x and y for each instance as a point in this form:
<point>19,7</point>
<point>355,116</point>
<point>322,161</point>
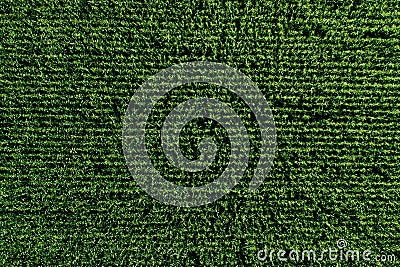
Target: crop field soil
<point>329,70</point>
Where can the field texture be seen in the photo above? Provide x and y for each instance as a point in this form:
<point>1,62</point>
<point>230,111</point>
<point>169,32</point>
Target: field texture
<point>328,69</point>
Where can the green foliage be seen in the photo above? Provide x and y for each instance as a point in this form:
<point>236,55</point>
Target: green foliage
<point>328,69</point>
